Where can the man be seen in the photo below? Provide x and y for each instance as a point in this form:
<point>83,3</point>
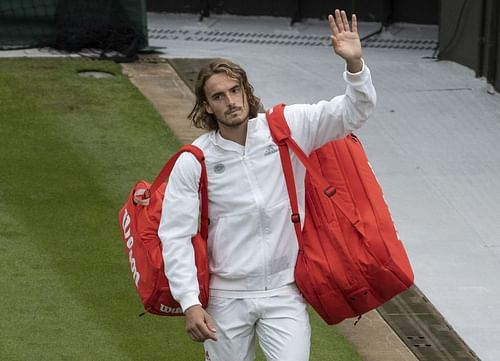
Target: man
<point>252,245</point>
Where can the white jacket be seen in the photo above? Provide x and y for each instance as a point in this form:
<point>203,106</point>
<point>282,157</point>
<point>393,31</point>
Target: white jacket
<point>251,242</point>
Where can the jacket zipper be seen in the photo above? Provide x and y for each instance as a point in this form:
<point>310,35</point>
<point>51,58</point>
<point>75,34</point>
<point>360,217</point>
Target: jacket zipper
<point>257,194</point>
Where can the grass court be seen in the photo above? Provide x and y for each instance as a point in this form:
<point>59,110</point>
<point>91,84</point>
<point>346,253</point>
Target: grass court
<point>70,150</point>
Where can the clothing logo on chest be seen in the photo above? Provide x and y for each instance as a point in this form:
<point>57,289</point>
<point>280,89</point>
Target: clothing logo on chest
<point>270,149</point>
<point>219,168</point>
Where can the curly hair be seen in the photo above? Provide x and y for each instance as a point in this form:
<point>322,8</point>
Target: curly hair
<point>199,116</point>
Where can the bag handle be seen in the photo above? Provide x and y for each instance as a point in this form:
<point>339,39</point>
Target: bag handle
<point>203,188</point>
<point>280,132</point>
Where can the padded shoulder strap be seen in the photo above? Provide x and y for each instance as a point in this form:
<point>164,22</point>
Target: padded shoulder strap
<point>282,136</point>
<point>167,169</point>
<point>277,123</point>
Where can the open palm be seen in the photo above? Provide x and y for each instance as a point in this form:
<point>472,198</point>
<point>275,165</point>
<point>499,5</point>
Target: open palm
<point>345,41</point>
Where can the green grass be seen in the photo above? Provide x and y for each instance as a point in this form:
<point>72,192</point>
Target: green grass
<point>70,149</point>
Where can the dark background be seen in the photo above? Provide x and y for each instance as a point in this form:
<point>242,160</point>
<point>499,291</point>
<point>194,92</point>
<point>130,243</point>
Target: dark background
<point>422,12</point>
<point>468,29</point>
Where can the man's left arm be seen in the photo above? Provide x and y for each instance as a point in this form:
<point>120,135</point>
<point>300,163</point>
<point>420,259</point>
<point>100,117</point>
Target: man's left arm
<point>314,125</point>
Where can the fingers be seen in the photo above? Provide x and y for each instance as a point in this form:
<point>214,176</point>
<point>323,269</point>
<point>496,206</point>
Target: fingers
<point>338,19</point>
<point>339,22</point>
<point>354,23</point>
<point>333,25</point>
<point>210,323</point>
<point>200,332</point>
<point>199,324</point>
<point>345,22</point>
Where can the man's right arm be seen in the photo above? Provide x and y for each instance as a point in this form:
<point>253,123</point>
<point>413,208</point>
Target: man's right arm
<point>179,222</point>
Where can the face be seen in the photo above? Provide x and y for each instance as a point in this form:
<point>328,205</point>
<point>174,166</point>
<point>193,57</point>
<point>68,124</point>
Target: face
<point>226,100</point>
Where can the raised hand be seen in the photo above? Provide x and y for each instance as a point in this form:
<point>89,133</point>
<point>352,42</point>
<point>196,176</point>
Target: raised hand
<point>345,41</point>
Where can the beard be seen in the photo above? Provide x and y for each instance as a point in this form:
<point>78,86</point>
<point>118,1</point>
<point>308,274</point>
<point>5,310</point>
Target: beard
<point>232,120</point>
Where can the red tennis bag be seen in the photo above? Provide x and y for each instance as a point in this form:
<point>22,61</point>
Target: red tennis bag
<point>350,258</point>
<point>139,221</point>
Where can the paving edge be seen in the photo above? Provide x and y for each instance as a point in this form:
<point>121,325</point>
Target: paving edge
<point>423,329</point>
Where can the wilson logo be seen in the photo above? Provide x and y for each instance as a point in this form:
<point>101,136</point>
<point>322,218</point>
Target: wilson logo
<point>130,242</point>
<point>168,309</point>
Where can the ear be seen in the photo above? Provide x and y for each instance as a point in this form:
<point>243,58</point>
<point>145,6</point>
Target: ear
<point>208,108</point>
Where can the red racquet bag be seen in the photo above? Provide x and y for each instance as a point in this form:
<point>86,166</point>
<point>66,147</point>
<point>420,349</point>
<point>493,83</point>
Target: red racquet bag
<point>139,221</point>
<point>350,258</point>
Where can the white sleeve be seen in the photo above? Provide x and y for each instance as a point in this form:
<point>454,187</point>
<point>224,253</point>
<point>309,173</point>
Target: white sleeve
<point>313,125</point>
<point>179,222</point>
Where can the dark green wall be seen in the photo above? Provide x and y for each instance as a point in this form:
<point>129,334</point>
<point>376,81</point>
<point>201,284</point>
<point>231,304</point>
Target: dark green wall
<point>469,34</point>
<point>412,11</point>
<point>37,23</point>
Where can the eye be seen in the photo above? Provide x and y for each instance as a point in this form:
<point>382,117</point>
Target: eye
<point>236,90</point>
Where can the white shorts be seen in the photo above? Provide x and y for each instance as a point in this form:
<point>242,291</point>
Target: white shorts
<point>280,322</point>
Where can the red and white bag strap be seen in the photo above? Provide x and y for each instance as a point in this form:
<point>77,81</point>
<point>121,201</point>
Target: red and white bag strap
<point>165,173</point>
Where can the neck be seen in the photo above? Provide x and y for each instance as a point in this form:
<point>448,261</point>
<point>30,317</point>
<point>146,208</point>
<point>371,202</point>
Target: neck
<point>236,134</point>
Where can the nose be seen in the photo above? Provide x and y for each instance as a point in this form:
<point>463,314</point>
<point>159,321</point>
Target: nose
<point>231,99</point>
